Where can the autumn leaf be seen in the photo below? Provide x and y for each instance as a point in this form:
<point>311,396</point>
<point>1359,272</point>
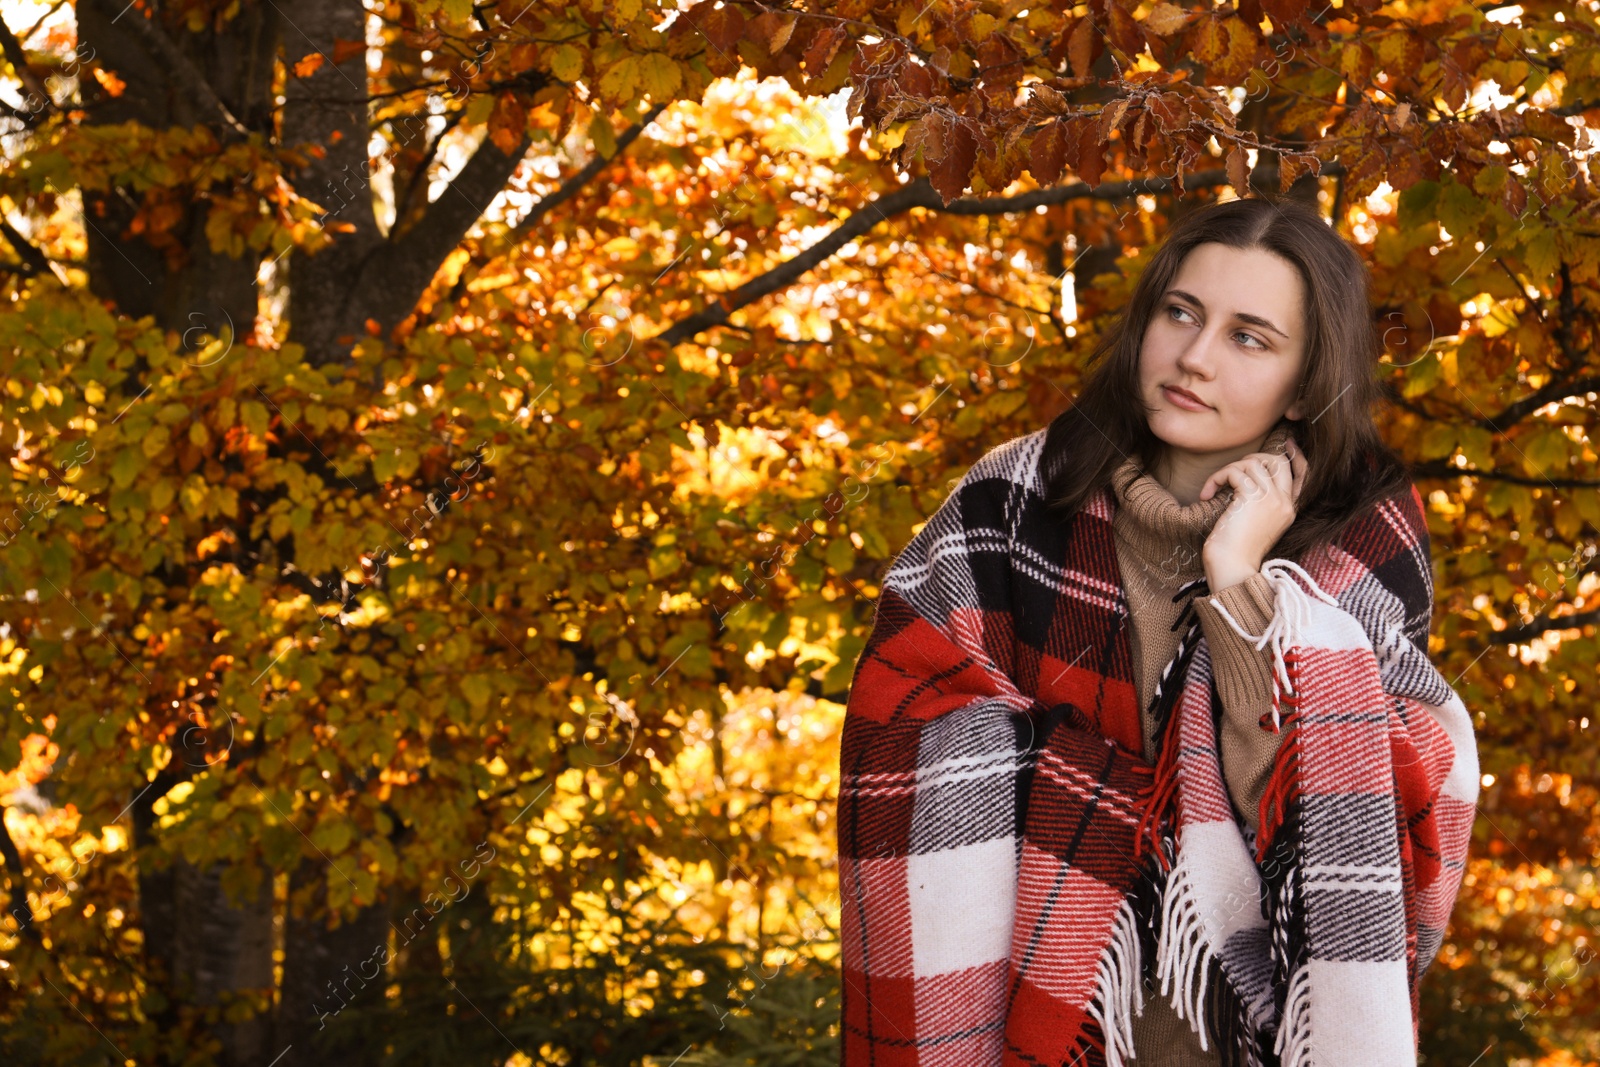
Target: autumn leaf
<point>1048,152</point>
<point>950,170</point>
<point>566,63</point>
<point>620,79</point>
<point>659,77</point>
<point>343,50</point>
<point>1166,19</point>
<point>1082,46</point>
<point>477,504</point>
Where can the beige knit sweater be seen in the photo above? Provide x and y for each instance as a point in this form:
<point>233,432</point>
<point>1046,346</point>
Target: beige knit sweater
<point>1158,550</point>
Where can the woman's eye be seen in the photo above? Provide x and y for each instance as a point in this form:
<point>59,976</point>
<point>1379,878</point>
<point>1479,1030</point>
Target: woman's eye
<point>1256,343</point>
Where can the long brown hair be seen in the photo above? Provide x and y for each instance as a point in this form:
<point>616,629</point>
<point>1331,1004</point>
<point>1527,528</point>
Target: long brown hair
<point>1349,467</point>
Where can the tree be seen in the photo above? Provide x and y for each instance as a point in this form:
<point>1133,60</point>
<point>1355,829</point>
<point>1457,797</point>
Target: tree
<point>438,431</point>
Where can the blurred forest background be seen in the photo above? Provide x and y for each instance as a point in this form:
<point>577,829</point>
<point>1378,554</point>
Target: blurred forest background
<point>452,449</point>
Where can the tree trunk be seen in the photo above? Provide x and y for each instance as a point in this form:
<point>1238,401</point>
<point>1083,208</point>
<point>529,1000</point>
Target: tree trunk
<point>333,981</point>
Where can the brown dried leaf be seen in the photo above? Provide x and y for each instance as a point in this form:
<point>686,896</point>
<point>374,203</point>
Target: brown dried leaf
<point>1047,154</point>
<point>1292,165</point>
<point>1091,162</point>
<point>952,173</point>
<point>1239,170</point>
<point>1049,100</point>
<point>1111,117</point>
<point>1081,47</point>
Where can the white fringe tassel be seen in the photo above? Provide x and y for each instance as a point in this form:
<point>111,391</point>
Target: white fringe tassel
<point>1182,953</point>
<point>1291,618</point>
<point>1293,1043</point>
<point>1119,991</point>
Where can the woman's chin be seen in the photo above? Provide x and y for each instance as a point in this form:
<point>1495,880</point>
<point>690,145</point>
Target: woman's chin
<point>1184,429</point>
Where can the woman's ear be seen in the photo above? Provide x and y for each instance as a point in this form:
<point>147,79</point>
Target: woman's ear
<point>1294,413</point>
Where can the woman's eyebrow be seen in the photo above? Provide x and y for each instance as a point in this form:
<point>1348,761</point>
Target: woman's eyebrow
<point>1244,316</point>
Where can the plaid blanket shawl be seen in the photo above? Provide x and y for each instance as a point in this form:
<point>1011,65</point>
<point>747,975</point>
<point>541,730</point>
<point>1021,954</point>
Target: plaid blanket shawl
<point>1012,872</point>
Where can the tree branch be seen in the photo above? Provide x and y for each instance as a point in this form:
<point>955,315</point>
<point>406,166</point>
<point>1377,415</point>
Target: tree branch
<point>402,203</point>
<point>1435,469</point>
<point>582,177</point>
<point>34,261</point>
<point>18,57</point>
<point>184,72</point>
<point>1520,409</point>
<point>920,193</point>
<point>20,910</point>
<point>393,278</point>
<point>1512,635</point>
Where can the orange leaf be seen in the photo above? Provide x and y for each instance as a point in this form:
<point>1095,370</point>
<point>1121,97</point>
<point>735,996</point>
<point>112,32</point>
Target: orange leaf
<point>112,84</point>
<point>343,50</point>
<point>1513,197</point>
<point>307,65</point>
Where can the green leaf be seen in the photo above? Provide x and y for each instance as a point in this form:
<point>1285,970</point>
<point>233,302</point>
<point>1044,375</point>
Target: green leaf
<point>477,689</point>
<point>332,834</point>
<point>126,467</point>
<point>841,555</point>
<point>254,417</point>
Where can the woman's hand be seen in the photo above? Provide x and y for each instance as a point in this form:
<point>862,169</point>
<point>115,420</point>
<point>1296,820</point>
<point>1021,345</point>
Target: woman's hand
<point>1266,487</point>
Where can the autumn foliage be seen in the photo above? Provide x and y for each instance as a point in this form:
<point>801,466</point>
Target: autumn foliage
<point>452,450</point>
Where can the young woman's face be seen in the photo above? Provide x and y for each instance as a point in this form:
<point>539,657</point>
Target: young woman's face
<point>1230,331</point>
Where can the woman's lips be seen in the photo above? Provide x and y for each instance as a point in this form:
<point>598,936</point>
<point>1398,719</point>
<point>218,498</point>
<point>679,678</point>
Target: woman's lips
<point>1182,400</point>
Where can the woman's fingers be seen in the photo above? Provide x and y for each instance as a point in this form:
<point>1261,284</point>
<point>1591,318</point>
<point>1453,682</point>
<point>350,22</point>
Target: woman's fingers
<point>1260,473</point>
<point>1297,464</point>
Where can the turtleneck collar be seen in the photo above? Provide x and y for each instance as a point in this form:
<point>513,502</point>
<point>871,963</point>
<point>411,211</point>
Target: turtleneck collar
<point>1161,530</point>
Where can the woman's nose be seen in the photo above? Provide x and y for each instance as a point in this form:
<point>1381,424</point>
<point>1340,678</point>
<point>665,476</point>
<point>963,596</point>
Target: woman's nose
<point>1195,358</point>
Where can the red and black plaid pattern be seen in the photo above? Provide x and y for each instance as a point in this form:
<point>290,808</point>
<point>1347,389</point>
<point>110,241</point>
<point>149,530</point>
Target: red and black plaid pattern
<point>1001,898</point>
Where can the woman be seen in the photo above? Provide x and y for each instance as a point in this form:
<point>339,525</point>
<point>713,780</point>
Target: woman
<point>1147,701</point>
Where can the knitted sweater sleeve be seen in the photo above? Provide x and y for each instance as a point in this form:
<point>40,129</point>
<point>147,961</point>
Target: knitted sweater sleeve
<point>1244,681</point>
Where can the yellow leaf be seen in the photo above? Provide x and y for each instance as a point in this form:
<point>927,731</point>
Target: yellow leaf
<point>621,81</point>
<point>603,136</point>
<point>659,76</point>
<point>566,63</point>
<point>307,65</point>
<point>155,442</point>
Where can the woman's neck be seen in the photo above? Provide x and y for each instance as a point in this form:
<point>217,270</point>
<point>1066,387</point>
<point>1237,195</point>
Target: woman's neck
<point>1183,473</point>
